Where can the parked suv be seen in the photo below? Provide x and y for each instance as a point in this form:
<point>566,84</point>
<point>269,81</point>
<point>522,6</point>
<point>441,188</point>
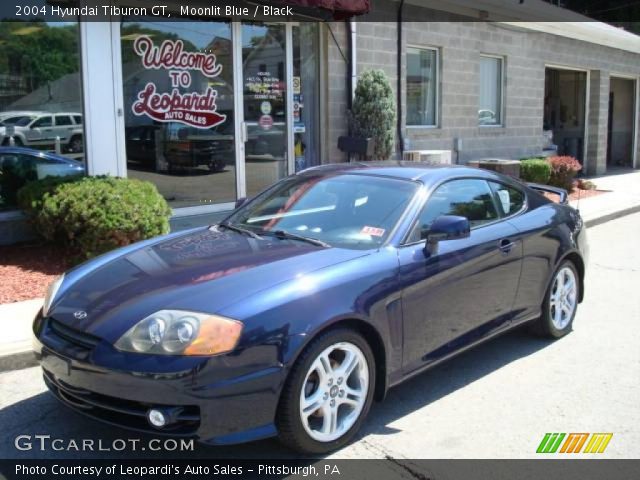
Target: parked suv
<point>41,129</point>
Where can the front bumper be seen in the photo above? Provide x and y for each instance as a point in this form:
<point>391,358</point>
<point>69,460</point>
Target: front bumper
<point>219,400</point>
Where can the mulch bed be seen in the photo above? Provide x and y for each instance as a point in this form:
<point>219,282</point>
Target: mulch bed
<point>27,269</point>
<point>582,194</point>
<point>577,194</point>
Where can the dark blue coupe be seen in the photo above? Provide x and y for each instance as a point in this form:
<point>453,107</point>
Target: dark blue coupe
<point>309,301</point>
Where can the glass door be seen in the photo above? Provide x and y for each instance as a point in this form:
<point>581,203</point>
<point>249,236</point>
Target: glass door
<point>266,60</point>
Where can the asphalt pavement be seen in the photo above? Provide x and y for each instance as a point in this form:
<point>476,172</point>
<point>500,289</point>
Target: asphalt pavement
<point>495,401</point>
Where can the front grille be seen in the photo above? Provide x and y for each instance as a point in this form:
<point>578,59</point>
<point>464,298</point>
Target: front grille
<point>117,411</point>
<point>73,336</point>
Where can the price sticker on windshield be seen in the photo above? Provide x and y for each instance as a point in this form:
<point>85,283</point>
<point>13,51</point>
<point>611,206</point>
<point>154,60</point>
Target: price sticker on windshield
<point>373,231</point>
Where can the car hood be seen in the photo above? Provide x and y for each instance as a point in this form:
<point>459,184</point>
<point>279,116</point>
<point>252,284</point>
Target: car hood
<point>204,270</point>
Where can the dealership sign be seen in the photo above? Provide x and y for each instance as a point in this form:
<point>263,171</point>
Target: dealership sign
<point>195,108</point>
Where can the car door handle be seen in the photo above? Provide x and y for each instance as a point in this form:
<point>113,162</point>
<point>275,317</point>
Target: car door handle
<point>505,245</point>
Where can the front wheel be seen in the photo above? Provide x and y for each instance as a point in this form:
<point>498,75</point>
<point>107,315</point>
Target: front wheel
<point>328,393</point>
<point>560,302</point>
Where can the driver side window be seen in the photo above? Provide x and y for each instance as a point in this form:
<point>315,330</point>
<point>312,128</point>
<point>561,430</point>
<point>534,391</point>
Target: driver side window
<point>470,198</point>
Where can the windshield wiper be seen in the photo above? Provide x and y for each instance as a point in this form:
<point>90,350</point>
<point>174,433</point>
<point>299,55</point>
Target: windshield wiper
<point>236,228</point>
<point>282,234</point>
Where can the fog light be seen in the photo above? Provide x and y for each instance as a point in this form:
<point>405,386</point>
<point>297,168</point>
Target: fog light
<point>157,418</point>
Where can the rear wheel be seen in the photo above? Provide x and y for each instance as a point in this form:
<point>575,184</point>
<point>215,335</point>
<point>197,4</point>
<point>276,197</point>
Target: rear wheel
<point>328,393</point>
<point>560,303</point>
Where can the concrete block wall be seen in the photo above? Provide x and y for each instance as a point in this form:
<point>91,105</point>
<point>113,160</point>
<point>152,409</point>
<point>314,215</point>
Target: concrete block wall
<point>334,37</point>
<point>526,54</point>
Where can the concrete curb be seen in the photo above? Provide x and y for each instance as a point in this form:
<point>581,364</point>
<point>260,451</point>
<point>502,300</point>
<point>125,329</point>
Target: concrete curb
<point>612,216</point>
<point>17,361</point>
<point>25,358</point>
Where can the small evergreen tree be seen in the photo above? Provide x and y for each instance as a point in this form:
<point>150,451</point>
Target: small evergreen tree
<point>373,114</point>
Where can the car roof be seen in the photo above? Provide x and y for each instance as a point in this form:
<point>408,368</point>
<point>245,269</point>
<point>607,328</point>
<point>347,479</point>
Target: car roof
<point>426,173</point>
<point>36,153</point>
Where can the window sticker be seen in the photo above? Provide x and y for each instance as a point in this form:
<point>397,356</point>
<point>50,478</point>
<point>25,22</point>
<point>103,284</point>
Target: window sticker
<point>373,231</point>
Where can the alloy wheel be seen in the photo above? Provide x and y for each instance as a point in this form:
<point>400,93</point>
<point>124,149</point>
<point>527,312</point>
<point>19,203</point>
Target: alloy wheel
<point>563,298</point>
<point>334,392</point>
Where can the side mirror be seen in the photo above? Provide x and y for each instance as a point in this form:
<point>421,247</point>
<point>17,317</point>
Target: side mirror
<point>241,201</point>
<point>445,227</point>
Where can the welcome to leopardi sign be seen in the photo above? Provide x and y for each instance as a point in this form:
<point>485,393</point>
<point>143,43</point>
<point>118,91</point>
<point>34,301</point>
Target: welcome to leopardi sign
<point>194,108</point>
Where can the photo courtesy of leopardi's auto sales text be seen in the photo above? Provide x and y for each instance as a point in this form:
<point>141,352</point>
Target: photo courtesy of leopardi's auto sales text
<point>336,239</point>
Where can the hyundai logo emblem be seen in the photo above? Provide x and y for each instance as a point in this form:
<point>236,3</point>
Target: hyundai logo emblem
<point>80,314</point>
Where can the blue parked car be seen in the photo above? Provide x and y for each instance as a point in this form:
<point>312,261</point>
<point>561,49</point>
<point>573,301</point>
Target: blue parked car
<point>309,301</point>
<point>20,165</point>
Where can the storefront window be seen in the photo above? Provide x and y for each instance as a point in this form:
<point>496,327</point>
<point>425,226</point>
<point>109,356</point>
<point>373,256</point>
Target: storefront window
<point>265,104</point>
<point>306,95</point>
<point>422,86</point>
<point>41,122</point>
<point>490,108</point>
<point>179,109</point>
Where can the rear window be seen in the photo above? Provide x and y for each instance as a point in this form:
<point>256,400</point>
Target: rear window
<point>510,200</point>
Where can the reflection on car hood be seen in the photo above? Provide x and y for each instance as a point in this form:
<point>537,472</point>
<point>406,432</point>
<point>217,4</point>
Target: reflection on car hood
<point>204,270</point>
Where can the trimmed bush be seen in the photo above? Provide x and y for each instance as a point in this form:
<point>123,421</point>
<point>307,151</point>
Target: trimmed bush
<point>563,171</point>
<point>31,195</point>
<point>535,170</point>
<point>373,114</point>
<point>92,215</point>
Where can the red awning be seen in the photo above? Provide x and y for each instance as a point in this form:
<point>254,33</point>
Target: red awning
<point>340,9</point>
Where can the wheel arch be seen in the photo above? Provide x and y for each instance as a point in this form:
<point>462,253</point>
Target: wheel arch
<point>577,260</point>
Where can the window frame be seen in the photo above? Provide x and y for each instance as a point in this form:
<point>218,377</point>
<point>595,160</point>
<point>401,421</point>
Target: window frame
<point>405,240</point>
<point>525,199</point>
<point>59,115</point>
<point>41,117</point>
<point>436,115</point>
<point>503,62</point>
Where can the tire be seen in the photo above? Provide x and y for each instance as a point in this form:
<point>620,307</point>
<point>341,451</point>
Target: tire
<point>559,306</point>
<point>217,166</point>
<point>312,431</point>
<point>75,144</point>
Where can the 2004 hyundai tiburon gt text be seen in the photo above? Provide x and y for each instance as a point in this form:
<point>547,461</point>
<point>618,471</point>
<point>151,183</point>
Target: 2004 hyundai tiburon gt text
<point>309,301</point>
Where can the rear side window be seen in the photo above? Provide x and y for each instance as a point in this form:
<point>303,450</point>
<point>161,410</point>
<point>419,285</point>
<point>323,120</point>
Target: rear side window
<point>510,200</point>
<point>77,119</point>
<point>63,120</point>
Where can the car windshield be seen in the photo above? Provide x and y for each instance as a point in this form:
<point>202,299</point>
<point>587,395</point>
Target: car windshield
<point>342,210</point>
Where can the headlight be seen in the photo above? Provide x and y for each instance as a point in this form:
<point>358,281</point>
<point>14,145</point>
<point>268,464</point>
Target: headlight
<point>177,332</point>
<point>50,296</point>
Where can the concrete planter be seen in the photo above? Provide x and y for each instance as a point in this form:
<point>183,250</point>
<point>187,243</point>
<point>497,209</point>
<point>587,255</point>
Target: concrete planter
<point>506,167</point>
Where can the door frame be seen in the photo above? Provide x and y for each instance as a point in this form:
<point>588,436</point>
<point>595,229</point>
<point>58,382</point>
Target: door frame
<point>119,166</point>
<point>636,113</point>
<point>587,106</point>
<point>238,85</point>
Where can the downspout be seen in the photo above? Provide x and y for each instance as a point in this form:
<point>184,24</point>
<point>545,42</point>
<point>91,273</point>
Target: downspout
<point>352,73</point>
<point>399,82</point>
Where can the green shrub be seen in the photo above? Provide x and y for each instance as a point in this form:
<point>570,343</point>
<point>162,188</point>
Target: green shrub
<point>535,170</point>
<point>92,215</point>
<point>373,114</point>
<point>31,195</point>
<point>563,171</point>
